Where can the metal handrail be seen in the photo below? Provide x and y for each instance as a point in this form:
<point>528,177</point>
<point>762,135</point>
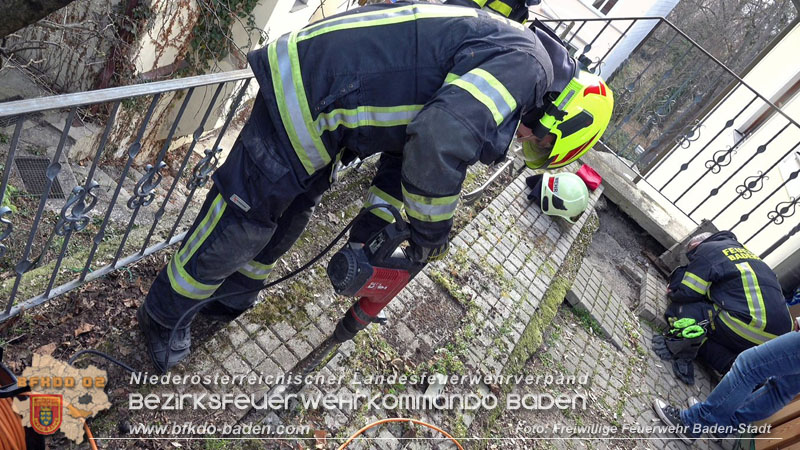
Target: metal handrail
<point>695,45</point>
<point>63,101</point>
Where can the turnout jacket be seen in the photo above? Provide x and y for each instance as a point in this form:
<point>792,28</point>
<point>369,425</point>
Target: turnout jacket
<point>744,290</point>
<point>445,86</point>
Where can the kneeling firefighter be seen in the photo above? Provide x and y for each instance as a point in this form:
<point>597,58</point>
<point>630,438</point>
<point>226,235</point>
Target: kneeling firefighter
<point>434,88</point>
<point>729,292</point>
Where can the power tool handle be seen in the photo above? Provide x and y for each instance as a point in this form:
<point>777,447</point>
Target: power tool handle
<point>383,249</point>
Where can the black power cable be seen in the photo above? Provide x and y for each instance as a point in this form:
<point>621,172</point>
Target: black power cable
<point>202,303</point>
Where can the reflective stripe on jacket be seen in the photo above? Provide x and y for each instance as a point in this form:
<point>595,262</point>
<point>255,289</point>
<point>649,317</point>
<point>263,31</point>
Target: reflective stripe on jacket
<point>443,85</point>
<point>516,10</point>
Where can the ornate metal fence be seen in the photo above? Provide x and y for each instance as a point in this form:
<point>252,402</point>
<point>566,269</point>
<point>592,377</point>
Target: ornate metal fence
<point>670,94</point>
<point>78,210</point>
<point>693,130</point>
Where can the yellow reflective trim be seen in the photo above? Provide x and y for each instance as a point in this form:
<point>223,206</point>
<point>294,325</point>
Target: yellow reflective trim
<point>300,91</point>
<point>430,200</point>
<point>500,7</point>
<point>376,196</point>
<point>746,332</point>
<point>752,291</point>
<point>186,285</point>
<point>429,209</point>
<point>481,97</point>
<point>695,283</point>
<point>200,234</point>
<point>256,270</point>
<point>384,17</point>
<point>495,83</point>
<point>397,203</point>
<point>283,109</point>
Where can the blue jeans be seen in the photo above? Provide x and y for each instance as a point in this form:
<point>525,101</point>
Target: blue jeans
<point>733,402</point>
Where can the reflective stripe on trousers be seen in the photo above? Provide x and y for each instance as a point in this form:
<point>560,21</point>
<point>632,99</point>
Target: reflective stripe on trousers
<point>376,196</point>
<point>429,209</point>
<point>179,279</point>
<point>256,270</point>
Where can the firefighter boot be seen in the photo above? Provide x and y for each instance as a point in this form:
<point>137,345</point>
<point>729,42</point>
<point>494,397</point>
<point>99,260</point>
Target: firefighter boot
<point>218,312</point>
<point>156,337</point>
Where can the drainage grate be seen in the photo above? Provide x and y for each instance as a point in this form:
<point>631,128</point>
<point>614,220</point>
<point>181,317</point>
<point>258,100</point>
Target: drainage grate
<point>33,171</point>
<point>9,120</point>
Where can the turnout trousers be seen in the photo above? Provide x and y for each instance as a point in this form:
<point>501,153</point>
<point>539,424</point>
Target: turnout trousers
<point>722,346</point>
<point>256,210</point>
<point>226,252</point>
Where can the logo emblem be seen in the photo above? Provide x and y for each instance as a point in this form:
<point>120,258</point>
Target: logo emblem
<point>45,413</point>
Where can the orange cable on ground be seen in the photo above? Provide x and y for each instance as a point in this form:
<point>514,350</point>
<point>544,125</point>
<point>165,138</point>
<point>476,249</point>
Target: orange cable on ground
<point>400,419</point>
<point>14,434</point>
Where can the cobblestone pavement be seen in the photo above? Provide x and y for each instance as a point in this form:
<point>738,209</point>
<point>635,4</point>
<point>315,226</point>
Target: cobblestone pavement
<point>465,315</point>
<point>470,314</point>
<point>590,295</point>
<point>621,385</point>
<point>619,380</point>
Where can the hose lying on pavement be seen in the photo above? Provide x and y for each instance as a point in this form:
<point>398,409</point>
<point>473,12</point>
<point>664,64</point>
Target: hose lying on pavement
<point>400,419</point>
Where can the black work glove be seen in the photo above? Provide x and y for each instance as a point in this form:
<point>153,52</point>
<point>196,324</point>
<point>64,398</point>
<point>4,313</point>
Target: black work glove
<point>420,254</point>
<point>684,370</point>
<point>660,348</point>
<point>535,183</point>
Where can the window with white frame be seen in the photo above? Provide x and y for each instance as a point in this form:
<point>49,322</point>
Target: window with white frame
<point>604,6</point>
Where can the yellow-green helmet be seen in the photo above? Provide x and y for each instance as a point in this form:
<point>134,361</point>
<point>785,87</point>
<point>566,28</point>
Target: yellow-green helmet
<point>578,117</point>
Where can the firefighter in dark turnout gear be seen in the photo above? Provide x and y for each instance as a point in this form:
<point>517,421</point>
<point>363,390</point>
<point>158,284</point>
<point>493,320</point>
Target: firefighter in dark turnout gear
<point>731,288</point>
<point>435,88</point>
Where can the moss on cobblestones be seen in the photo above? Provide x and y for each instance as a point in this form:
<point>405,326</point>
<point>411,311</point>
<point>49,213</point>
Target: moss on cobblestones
<point>587,321</point>
<point>532,337</point>
<point>499,276</point>
<point>449,285</point>
<point>287,308</point>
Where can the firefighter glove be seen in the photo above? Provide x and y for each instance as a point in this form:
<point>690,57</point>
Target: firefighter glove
<point>659,343</point>
<point>420,254</point>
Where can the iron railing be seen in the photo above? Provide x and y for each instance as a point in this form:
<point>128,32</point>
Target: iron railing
<point>662,109</point>
<point>78,211</point>
<point>676,107</point>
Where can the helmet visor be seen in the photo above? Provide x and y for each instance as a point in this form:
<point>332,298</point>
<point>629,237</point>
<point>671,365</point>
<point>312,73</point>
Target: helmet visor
<point>536,155</point>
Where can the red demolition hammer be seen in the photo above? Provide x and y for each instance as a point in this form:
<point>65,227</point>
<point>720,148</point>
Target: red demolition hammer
<point>375,272</point>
